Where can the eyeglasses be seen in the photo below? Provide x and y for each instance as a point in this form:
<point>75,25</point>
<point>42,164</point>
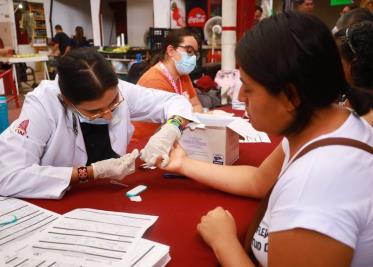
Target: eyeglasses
<point>111,108</point>
<point>190,50</point>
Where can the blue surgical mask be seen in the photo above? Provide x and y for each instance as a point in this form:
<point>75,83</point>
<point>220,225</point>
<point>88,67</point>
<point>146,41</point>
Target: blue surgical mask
<point>186,64</point>
<point>98,121</point>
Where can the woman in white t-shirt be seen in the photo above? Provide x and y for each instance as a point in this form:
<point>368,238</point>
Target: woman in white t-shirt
<point>320,210</point>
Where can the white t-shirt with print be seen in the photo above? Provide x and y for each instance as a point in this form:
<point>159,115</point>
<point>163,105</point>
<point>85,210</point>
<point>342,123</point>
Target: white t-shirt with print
<point>328,190</point>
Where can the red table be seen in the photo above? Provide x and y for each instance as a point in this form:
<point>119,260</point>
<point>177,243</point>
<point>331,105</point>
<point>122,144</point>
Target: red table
<point>179,203</point>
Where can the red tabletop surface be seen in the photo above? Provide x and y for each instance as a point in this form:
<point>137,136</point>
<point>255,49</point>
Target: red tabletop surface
<point>179,203</point>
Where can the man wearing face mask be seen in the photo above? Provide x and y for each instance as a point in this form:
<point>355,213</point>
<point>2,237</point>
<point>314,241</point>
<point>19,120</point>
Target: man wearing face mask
<point>170,72</point>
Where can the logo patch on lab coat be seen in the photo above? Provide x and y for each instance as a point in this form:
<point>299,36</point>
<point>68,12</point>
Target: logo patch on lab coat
<point>22,128</point>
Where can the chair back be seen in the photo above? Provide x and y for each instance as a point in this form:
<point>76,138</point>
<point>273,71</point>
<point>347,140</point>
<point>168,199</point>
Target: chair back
<point>8,87</point>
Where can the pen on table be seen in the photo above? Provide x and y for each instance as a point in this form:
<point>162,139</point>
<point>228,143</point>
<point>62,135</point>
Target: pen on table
<point>171,175</point>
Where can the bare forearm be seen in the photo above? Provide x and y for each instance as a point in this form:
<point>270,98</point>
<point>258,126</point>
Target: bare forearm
<point>231,254</point>
<point>238,180</point>
<point>197,108</point>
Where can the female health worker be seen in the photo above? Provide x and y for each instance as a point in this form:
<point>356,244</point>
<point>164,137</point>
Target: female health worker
<point>77,128</point>
<point>170,72</point>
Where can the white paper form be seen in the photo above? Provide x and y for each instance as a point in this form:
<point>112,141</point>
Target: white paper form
<point>247,132</point>
<point>146,253</point>
<point>89,237</point>
<point>30,261</point>
<point>29,220</point>
<point>149,253</point>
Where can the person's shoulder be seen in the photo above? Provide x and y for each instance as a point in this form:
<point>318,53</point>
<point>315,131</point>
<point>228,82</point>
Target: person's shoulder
<point>345,167</point>
<point>44,98</point>
<point>47,91</point>
<point>57,36</point>
<point>153,77</point>
<point>151,72</point>
<point>62,36</point>
<point>322,162</point>
<point>357,128</point>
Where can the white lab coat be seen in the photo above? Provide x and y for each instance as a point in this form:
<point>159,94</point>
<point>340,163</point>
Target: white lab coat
<point>38,164</point>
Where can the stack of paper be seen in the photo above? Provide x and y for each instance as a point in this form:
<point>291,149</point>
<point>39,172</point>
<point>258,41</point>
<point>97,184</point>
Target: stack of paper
<point>20,221</point>
<point>82,237</point>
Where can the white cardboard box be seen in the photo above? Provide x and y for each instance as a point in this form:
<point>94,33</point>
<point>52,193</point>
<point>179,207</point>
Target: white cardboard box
<point>215,141</point>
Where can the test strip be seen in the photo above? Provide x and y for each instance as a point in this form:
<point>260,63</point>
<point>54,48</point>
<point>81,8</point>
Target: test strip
<point>135,191</point>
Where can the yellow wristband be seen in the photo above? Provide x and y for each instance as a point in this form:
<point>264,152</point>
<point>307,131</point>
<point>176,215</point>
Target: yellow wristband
<point>175,122</point>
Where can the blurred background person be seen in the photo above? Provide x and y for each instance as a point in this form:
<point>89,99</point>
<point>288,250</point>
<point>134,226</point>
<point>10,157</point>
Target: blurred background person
<point>79,40</point>
<point>353,16</point>
<point>306,6</point>
<point>347,9</point>
<point>368,4</point>
<point>257,14</point>
<point>62,42</point>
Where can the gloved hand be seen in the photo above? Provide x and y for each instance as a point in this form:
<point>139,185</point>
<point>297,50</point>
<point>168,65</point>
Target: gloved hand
<point>159,145</point>
<point>115,168</point>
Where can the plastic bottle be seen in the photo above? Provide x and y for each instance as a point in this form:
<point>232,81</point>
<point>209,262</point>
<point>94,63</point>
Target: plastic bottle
<point>138,58</point>
<point>4,121</point>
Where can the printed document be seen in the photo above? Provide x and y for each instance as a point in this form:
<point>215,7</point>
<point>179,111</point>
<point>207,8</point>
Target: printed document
<point>19,221</point>
<point>89,237</point>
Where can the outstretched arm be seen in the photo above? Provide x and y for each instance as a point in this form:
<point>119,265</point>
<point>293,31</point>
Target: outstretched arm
<point>240,180</point>
<point>196,104</point>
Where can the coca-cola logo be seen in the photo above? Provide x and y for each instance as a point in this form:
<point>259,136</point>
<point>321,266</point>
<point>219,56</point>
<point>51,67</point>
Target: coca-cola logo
<point>196,17</point>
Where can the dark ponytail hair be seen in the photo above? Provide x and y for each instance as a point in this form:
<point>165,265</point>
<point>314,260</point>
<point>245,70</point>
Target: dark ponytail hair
<point>84,74</point>
<point>355,45</point>
<point>354,16</point>
<point>294,53</point>
<point>361,99</point>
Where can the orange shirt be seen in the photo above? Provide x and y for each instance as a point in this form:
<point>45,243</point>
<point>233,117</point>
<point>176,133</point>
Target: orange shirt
<point>155,78</point>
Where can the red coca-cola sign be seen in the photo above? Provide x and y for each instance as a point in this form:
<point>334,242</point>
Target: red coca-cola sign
<point>196,17</point>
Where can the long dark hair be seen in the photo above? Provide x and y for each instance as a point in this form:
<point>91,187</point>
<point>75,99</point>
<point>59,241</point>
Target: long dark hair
<point>79,34</point>
<point>84,74</point>
<point>356,47</point>
<point>296,49</point>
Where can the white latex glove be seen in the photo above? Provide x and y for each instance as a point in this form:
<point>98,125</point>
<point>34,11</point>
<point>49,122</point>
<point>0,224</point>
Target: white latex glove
<point>160,144</point>
<point>115,168</point>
